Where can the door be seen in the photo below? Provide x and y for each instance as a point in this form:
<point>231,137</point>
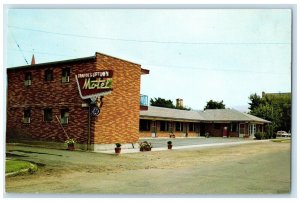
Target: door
<point>252,129</point>
<point>185,129</point>
<point>241,130</point>
<point>153,129</point>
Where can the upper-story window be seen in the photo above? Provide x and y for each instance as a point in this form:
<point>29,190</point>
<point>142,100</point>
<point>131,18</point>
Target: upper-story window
<point>48,75</point>
<point>47,114</point>
<point>26,116</point>
<point>65,77</point>
<point>28,79</point>
<point>64,116</point>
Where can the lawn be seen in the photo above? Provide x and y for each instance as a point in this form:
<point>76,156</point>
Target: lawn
<point>15,165</point>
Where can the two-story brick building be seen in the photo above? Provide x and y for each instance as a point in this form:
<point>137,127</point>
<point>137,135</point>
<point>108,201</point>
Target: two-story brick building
<point>46,102</point>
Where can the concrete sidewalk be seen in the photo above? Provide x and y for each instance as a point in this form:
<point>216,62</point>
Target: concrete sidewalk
<point>125,151</point>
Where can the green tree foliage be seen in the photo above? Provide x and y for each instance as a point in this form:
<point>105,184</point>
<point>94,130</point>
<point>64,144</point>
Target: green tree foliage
<point>275,108</point>
<point>161,102</point>
<point>214,105</point>
<point>255,101</point>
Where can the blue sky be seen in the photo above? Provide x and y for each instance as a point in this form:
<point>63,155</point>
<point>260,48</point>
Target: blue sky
<point>195,54</point>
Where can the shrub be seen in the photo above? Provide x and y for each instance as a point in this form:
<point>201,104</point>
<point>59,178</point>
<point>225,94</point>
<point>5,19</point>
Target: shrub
<point>145,146</point>
<point>118,145</point>
<point>259,135</point>
<point>169,142</point>
<point>70,141</point>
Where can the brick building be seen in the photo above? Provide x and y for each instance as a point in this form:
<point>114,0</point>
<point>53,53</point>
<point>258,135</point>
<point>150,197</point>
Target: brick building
<point>96,100</point>
<point>165,122</point>
<point>45,102</point>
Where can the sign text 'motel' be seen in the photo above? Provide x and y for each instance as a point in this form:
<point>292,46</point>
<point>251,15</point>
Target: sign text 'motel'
<point>94,84</point>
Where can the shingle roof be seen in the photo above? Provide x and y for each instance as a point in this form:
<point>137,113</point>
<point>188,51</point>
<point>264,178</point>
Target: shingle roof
<point>229,115</point>
<point>207,115</point>
<point>161,112</point>
<point>255,118</point>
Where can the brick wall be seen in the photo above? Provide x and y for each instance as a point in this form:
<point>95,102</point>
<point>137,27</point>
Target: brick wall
<point>167,133</point>
<point>40,95</point>
<point>119,118</point>
<point>117,122</point>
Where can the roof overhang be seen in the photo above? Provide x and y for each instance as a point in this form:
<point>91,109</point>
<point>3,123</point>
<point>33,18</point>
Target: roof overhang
<point>145,71</point>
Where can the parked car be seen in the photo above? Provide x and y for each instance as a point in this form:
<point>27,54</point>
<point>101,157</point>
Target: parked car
<point>282,133</point>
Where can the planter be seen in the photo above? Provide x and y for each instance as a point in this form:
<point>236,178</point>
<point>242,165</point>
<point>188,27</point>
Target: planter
<point>71,147</point>
<point>170,146</point>
<point>118,150</point>
<point>145,149</point>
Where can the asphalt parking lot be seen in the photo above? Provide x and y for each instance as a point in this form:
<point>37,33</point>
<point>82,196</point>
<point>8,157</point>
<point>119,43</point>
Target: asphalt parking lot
<point>162,142</point>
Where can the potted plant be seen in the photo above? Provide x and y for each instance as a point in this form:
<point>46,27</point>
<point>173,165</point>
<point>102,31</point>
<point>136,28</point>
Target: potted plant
<point>118,148</point>
<point>71,144</point>
<point>145,146</point>
<point>170,145</point>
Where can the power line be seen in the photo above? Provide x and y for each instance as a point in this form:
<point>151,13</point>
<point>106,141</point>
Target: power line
<point>18,47</point>
<point>212,69</point>
<point>149,41</point>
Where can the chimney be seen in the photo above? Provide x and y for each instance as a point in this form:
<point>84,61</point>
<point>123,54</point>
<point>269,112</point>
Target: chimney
<point>33,60</point>
<point>179,102</point>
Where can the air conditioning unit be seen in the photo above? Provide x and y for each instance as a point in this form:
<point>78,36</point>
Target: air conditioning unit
<point>65,79</point>
<point>64,120</point>
<point>26,120</point>
<point>27,82</point>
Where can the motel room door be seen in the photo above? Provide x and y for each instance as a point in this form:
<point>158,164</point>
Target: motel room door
<point>252,129</point>
<point>242,130</point>
<point>153,129</point>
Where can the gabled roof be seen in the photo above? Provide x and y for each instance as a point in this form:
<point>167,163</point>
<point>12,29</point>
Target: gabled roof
<point>229,115</point>
<point>211,115</point>
<point>167,113</point>
<point>257,119</point>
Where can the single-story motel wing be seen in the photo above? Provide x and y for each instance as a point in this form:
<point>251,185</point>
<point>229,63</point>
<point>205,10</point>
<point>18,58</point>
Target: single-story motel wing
<point>96,100</point>
<point>165,122</point>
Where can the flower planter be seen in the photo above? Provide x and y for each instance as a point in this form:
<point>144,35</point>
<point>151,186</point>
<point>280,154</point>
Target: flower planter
<point>71,147</point>
<point>118,150</point>
<point>145,149</point>
<point>170,146</point>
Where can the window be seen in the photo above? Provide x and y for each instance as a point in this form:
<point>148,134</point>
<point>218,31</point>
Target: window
<point>144,125</point>
<point>233,127</point>
<point>191,127</point>
<point>48,75</point>
<point>164,126</point>
<point>178,126</point>
<point>64,116</point>
<point>27,81</point>
<point>26,116</point>
<point>47,115</point>
<point>65,77</point>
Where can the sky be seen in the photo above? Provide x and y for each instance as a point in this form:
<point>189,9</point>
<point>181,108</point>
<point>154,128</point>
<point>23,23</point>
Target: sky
<point>193,54</point>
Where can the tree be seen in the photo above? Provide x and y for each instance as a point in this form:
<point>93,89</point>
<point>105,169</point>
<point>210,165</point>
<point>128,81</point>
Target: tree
<point>214,105</point>
<point>274,108</point>
<point>256,100</point>
<point>160,102</point>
